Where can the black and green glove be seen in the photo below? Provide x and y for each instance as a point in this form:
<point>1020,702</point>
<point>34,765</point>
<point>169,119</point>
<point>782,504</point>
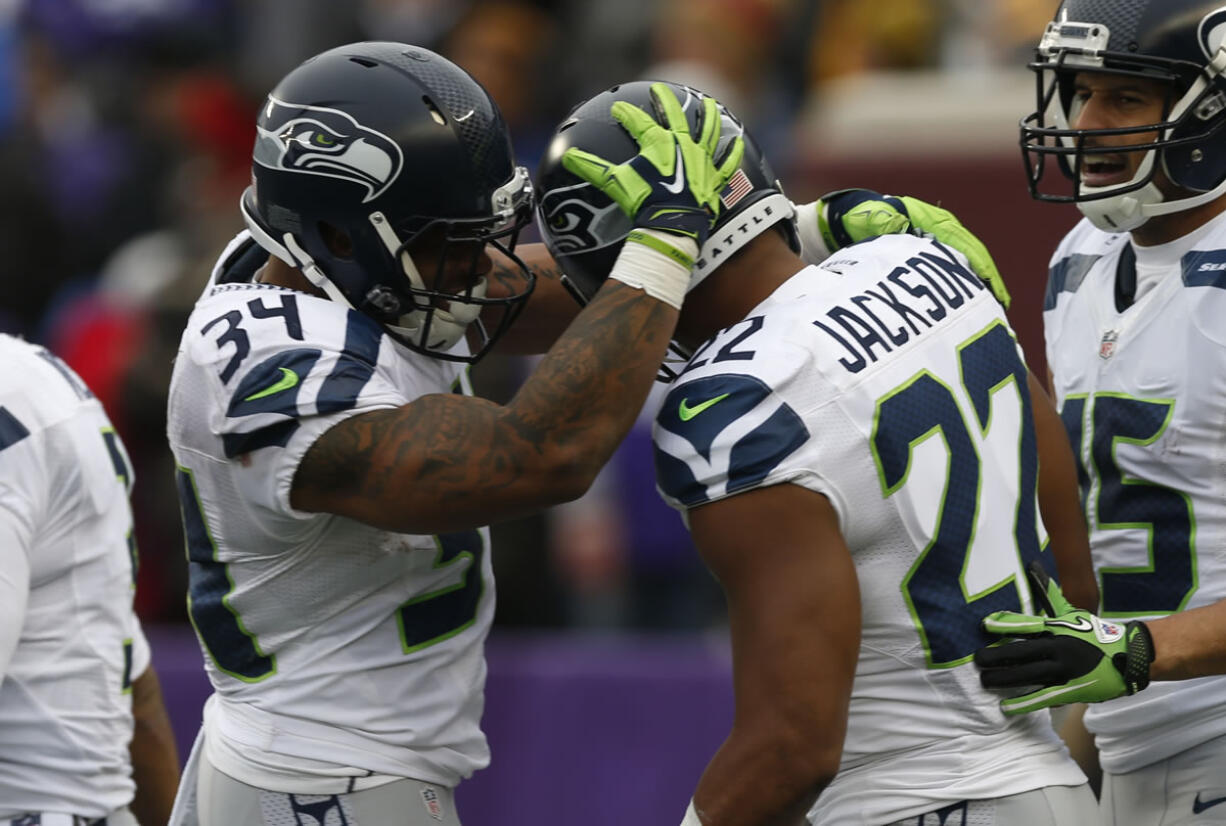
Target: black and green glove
<point>849,216</point>
<point>1072,656</point>
<point>672,184</point>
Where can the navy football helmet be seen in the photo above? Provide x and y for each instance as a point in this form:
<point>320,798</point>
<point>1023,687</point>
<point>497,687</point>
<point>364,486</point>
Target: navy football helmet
<point>1181,43</point>
<point>368,148</point>
<point>584,229</point>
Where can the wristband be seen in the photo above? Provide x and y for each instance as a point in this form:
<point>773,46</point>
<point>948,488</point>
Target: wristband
<point>655,262</point>
<point>813,248</point>
<point>1140,655</point>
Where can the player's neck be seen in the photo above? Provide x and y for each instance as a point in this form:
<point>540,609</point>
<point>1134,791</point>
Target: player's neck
<point>1162,229</point>
<point>741,283</point>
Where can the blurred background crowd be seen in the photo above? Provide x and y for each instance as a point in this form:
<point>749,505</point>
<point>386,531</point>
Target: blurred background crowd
<point>126,129</point>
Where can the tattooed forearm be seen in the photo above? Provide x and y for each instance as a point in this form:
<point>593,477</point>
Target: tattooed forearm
<point>445,462</point>
<point>549,271</point>
<point>594,375</point>
<point>507,279</point>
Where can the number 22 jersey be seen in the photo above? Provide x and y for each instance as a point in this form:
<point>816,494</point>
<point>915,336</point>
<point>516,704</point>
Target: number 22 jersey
<point>335,649</point>
<point>888,380</point>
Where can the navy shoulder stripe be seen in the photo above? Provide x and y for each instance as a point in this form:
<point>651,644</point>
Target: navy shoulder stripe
<point>275,435</point>
<point>11,430</point>
<point>761,451</point>
<point>1205,268</point>
<point>1066,276</point>
<point>354,368</point>
<point>272,385</point>
<point>700,410</point>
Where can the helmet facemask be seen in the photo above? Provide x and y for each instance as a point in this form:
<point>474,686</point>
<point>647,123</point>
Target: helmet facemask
<point>430,311</point>
<point>427,311</point>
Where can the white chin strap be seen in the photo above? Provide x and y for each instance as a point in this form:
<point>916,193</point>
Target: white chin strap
<point>291,252</point>
<point>1124,213</point>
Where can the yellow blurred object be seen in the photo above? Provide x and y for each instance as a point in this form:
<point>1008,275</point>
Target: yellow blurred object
<point>853,36</point>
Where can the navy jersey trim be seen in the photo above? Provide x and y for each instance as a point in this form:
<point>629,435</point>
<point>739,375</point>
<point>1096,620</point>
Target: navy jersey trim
<point>1205,268</point>
<point>241,265</point>
<point>11,430</point>
<point>356,365</point>
<point>272,386</point>
<point>761,451</point>
<point>700,410</point>
<point>275,435</point>
<point>1066,277</point>
<point>738,395</point>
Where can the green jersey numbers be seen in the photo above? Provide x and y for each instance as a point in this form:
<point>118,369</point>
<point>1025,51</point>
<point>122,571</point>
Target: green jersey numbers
<point>945,612</point>
<point>1116,500</point>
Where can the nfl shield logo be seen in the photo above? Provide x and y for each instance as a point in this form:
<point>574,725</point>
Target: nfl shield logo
<point>1106,347</point>
<point>430,797</point>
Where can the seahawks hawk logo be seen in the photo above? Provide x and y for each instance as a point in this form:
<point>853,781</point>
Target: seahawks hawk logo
<point>576,225</point>
<point>316,140</point>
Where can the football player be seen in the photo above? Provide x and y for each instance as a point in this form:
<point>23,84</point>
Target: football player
<point>334,471</point>
<point>84,736</point>
<point>1131,109</point>
<point>862,458</point>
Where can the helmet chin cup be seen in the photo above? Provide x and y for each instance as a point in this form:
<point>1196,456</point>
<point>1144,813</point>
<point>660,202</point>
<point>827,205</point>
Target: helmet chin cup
<point>1121,213</point>
<point>441,329</point>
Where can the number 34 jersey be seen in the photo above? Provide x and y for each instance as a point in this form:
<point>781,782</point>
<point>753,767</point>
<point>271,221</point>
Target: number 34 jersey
<point>888,380</point>
<point>335,649</point>
<point>1143,395</point>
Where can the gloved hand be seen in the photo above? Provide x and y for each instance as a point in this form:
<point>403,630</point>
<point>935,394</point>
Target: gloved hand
<point>672,185</point>
<point>849,216</point>
<point>1071,655</point>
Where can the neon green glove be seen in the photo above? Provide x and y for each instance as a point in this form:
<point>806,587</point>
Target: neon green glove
<point>672,184</point>
<point>1071,655</point>
<point>849,216</point>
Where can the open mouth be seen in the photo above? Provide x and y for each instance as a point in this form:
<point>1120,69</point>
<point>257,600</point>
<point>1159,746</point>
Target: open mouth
<point>1104,170</point>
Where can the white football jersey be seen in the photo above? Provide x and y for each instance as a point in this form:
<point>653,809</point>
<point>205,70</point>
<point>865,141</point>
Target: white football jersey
<point>1142,394</point>
<point>888,380</point>
<point>334,648</point>
<point>65,693</point>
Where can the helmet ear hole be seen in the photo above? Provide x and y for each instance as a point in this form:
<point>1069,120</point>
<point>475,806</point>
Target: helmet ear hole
<point>338,241</point>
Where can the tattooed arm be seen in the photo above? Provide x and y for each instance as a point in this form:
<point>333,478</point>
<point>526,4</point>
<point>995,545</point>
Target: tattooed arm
<point>547,313</point>
<point>448,462</point>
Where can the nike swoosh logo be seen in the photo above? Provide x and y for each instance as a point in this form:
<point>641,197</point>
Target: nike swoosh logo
<point>288,379</point>
<point>678,179</point>
<point>1198,806</point>
<point>686,412</point>
<point>1082,624</point>
<point>1046,696</point>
